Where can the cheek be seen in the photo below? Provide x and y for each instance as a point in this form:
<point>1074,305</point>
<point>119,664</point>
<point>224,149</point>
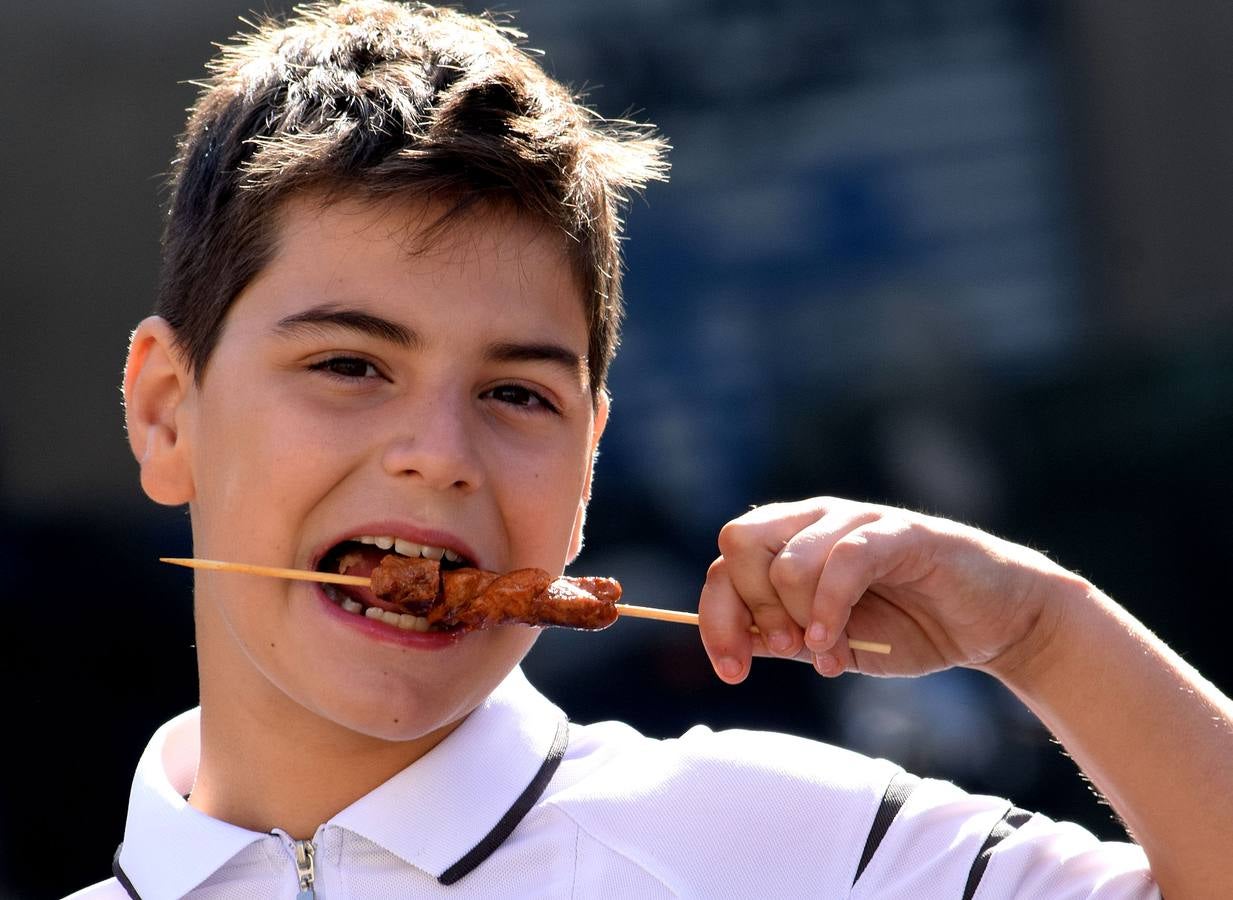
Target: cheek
<point>261,467</point>
<point>541,506</point>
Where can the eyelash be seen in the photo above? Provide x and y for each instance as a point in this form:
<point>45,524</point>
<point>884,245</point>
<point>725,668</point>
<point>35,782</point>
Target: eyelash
<point>336,367</point>
<point>536,397</point>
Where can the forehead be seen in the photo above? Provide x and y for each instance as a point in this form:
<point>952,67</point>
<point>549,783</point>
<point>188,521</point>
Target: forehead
<point>417,254</point>
<point>416,234</point>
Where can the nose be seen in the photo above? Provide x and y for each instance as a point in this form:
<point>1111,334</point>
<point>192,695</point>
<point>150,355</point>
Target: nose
<point>434,444</point>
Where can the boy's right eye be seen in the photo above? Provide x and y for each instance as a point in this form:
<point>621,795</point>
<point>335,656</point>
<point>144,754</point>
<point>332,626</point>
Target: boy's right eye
<point>350,368</point>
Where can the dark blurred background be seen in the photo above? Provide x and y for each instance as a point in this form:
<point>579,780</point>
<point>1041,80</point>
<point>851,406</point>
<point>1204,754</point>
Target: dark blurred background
<point>968,257</point>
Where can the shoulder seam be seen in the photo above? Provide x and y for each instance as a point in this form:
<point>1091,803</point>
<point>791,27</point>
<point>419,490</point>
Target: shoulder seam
<point>605,844</point>
<point>573,875</point>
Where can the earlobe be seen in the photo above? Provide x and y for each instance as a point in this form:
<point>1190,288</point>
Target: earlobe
<point>156,384</point>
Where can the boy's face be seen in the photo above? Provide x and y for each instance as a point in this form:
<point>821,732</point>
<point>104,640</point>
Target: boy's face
<point>367,384</point>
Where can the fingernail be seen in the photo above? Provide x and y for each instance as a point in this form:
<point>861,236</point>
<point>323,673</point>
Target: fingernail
<point>728,667</point>
<point>826,664</point>
<point>817,633</point>
<point>780,641</point>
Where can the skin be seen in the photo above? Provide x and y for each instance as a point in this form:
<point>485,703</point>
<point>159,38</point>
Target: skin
<point>298,435</point>
<point>1152,734</point>
<point>424,437</point>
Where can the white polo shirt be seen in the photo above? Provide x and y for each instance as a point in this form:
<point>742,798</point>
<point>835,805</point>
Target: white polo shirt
<point>516,802</point>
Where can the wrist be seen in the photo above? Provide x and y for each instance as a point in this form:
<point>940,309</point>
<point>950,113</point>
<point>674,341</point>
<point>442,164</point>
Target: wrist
<point>1064,600</point>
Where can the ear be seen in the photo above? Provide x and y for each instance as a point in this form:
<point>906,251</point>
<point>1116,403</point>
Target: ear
<point>156,386</point>
<point>602,407</point>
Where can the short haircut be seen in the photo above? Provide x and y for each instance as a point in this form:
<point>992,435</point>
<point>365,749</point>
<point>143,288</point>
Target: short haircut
<point>382,99</point>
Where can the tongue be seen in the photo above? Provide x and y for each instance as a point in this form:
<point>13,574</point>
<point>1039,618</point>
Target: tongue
<point>361,561</point>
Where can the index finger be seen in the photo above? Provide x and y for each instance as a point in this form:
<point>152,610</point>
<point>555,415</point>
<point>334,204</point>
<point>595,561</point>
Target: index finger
<point>723,623</point>
<point>750,544</point>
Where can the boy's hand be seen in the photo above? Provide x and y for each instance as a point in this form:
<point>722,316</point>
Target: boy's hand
<point>813,572</point>
<point>1121,702</point>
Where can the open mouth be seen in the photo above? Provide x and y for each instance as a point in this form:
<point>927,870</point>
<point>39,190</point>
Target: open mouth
<point>360,556</point>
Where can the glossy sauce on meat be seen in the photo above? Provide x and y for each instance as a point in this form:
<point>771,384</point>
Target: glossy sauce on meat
<point>410,581</point>
<point>466,599</point>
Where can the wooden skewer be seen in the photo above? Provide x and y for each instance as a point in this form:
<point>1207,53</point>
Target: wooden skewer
<point>271,571</point>
<point>625,609</point>
<point>853,643</point>
<point>688,618</point>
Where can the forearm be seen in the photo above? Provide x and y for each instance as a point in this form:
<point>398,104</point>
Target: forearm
<point>1154,736</point>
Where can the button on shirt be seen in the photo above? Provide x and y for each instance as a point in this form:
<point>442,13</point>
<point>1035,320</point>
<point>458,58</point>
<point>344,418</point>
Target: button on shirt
<point>517,803</point>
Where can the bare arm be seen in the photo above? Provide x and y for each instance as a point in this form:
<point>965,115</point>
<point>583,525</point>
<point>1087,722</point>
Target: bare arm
<point>1152,734</point>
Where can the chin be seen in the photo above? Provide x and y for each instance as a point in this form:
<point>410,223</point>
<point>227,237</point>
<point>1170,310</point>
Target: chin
<point>391,710</point>
<point>386,719</point>
<point>396,730</point>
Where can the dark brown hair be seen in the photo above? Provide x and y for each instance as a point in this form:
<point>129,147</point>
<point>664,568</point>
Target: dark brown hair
<point>384,99</point>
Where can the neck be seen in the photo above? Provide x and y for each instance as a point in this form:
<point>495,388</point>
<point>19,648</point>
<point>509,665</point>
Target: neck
<point>268,762</point>
<point>310,772</point>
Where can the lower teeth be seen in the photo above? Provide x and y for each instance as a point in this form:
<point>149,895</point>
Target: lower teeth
<point>405,621</point>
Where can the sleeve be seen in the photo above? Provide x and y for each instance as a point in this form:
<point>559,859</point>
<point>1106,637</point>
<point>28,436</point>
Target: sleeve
<point>929,838</point>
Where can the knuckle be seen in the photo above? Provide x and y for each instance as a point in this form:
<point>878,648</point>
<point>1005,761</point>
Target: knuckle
<point>916,531</point>
<point>790,573</point>
<point>849,560</point>
<point>736,537</point>
<point>763,606</point>
<point>851,549</point>
<point>716,645</point>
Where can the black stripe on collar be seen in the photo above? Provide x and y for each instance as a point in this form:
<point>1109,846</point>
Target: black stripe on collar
<point>121,877</point>
<point>487,845</point>
<point>505,827</point>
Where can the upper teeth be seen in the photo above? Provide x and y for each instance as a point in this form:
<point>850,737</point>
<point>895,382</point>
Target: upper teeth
<point>408,548</point>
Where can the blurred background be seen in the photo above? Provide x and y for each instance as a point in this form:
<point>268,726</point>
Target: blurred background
<point>967,257</point>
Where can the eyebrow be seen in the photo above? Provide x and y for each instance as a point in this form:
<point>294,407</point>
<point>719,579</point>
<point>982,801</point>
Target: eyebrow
<point>561,357</point>
<point>329,316</point>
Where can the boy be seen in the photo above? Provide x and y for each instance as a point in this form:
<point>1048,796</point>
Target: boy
<point>391,292</point>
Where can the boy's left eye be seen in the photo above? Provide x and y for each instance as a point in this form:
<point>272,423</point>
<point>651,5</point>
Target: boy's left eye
<point>518,395</point>
<point>348,367</point>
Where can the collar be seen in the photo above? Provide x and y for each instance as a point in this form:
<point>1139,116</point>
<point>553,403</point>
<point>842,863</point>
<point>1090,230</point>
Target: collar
<point>444,814</point>
<point>446,810</point>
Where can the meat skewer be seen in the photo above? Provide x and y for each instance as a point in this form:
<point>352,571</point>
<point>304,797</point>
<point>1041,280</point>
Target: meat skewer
<point>472,598</point>
<point>624,609</point>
